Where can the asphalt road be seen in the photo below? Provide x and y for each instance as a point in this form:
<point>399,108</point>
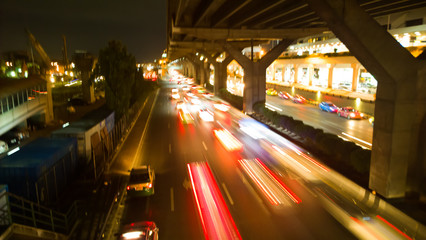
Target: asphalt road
<point>169,146</point>
<point>267,189</point>
<point>358,131</point>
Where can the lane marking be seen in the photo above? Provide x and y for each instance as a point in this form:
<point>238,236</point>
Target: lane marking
<point>273,107</point>
<point>227,194</point>
<point>172,201</point>
<point>170,148</point>
<point>205,147</point>
<point>360,140</point>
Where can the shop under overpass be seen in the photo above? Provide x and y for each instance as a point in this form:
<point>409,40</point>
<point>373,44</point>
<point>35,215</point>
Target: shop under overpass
<point>212,27</point>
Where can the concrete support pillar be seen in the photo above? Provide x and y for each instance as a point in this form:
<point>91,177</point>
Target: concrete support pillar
<point>191,71</point>
<point>330,76</point>
<point>202,73</point>
<point>296,72</point>
<point>283,73</point>
<point>355,75</point>
<point>196,74</point>
<point>255,73</point>
<point>400,99</point>
<point>220,74</point>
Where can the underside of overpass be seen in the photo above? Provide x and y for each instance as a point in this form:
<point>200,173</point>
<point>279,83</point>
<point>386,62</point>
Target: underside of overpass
<point>217,26</point>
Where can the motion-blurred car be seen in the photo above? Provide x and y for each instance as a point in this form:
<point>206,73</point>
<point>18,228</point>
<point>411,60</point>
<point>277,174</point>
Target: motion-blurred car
<point>175,96</point>
<point>271,92</point>
<point>299,99</point>
<point>141,182</point>
<point>328,107</point>
<point>205,115</point>
<point>179,104</point>
<point>284,95</point>
<point>146,230</point>
<point>221,106</point>
<point>185,116</point>
<point>350,113</point>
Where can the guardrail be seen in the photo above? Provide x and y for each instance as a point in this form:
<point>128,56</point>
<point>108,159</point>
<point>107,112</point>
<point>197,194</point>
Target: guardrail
<point>15,209</point>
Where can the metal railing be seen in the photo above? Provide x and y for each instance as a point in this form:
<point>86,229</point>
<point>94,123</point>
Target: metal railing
<point>15,209</point>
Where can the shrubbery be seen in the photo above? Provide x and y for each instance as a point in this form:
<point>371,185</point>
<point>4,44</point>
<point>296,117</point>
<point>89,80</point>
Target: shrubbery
<point>343,153</point>
<point>234,100</point>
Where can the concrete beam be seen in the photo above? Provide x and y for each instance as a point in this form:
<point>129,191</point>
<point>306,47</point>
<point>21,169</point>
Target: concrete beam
<point>247,34</point>
<point>374,47</point>
<point>208,12</point>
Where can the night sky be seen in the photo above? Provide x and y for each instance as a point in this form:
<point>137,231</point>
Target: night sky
<point>87,24</point>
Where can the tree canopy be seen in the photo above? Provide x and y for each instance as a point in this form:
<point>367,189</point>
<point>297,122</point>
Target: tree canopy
<point>118,68</point>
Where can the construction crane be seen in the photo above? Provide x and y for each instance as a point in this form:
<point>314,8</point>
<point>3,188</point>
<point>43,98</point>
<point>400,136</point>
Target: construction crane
<point>65,53</point>
<point>46,63</point>
<point>44,57</point>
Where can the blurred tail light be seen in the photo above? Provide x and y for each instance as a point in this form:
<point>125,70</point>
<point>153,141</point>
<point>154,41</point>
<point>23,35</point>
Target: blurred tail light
<point>128,187</point>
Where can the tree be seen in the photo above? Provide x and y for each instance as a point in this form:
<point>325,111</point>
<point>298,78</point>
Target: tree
<point>118,68</point>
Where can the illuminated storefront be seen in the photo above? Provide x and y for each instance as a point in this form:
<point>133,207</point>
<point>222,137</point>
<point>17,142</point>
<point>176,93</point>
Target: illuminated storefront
<point>366,83</point>
<point>342,77</point>
<point>235,79</point>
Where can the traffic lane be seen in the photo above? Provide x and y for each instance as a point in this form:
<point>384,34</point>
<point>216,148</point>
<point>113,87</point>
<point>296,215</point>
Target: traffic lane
<point>171,206</point>
<point>248,210</point>
<point>333,192</point>
<point>125,158</point>
<point>323,225</point>
<point>297,225</point>
<point>358,219</point>
<point>329,122</point>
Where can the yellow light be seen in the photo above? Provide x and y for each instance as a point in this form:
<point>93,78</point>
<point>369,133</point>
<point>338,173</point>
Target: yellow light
<point>52,79</point>
<point>358,102</point>
<point>71,74</point>
<point>318,94</point>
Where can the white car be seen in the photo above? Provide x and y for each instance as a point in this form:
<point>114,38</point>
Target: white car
<point>146,230</point>
<point>3,147</point>
<point>206,115</point>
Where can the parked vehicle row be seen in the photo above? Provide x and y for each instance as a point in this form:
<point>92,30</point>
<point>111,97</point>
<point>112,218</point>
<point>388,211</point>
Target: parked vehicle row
<point>12,138</point>
<point>327,106</point>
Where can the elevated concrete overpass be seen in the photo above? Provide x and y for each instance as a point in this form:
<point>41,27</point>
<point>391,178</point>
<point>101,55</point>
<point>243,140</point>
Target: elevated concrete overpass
<point>218,26</point>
